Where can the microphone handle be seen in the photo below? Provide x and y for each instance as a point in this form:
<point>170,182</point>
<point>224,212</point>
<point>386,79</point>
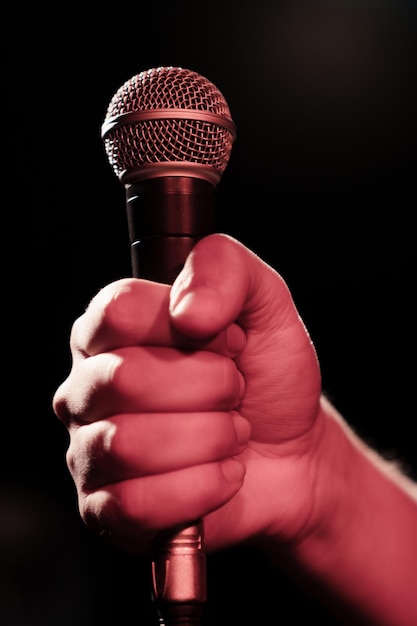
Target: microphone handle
<point>166,217</point>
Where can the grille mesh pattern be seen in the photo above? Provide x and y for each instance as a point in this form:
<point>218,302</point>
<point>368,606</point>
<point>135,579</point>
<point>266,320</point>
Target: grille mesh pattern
<point>171,140</point>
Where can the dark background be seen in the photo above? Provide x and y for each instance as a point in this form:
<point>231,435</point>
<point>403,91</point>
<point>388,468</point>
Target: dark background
<point>321,184</point>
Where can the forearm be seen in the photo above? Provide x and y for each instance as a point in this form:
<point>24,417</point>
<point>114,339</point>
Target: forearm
<point>363,544</point>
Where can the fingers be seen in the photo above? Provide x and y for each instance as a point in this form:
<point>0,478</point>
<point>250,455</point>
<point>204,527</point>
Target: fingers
<point>131,512</point>
<point>138,474</point>
<point>131,446</point>
<point>148,380</point>
<point>132,312</point>
<point>114,318</point>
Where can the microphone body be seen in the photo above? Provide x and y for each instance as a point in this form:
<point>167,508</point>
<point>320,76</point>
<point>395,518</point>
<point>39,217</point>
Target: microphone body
<point>168,136</point>
<point>166,216</point>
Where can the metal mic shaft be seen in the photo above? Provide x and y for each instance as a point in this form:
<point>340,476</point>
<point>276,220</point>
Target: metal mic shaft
<point>179,576</point>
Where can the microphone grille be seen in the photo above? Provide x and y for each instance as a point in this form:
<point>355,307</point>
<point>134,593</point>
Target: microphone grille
<point>168,120</point>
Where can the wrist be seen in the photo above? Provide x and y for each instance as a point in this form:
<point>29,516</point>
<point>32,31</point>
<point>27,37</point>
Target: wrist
<point>359,543</point>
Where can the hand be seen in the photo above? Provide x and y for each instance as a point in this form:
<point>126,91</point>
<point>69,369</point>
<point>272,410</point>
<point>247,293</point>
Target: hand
<point>200,400</point>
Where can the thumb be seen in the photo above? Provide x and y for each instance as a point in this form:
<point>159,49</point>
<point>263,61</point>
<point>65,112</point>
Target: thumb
<point>208,293</point>
<point>216,285</point>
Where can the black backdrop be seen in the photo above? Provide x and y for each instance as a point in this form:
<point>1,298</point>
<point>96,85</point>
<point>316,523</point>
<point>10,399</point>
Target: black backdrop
<point>321,184</point>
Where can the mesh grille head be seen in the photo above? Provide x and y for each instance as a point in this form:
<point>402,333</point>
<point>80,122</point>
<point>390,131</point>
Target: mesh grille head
<point>168,120</point>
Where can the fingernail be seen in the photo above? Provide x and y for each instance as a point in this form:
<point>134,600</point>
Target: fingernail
<point>179,289</point>
<point>242,385</point>
<point>236,339</point>
<point>242,428</point>
<point>181,302</point>
<point>233,470</point>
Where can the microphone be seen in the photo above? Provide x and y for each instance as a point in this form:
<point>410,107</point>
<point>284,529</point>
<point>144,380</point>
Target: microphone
<point>168,135</point>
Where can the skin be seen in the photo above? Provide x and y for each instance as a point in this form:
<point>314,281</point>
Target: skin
<point>206,396</point>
